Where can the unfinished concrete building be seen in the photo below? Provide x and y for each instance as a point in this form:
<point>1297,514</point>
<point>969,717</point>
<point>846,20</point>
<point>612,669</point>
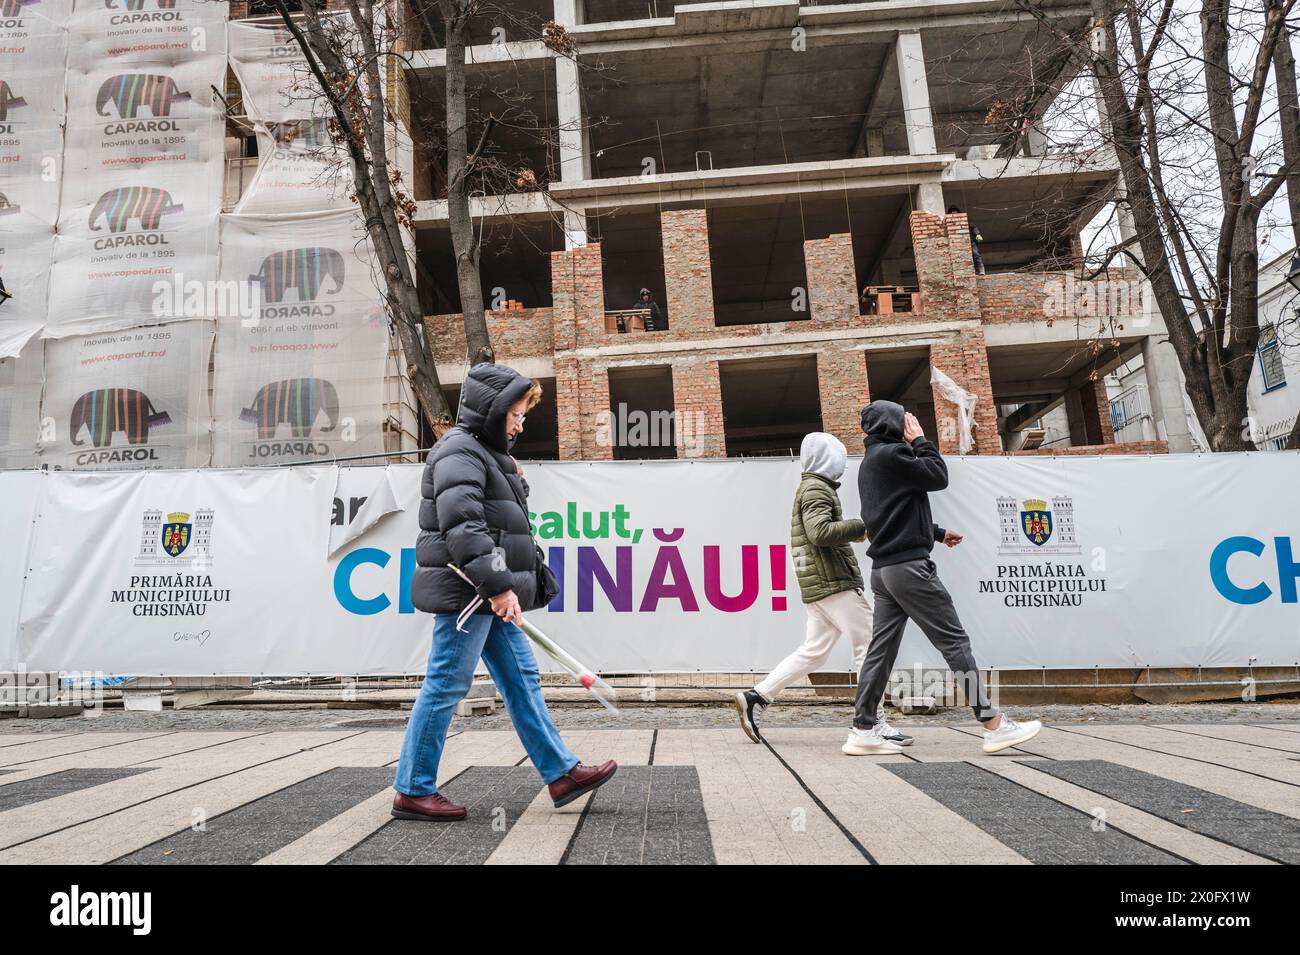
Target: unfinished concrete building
<point>780,176</point>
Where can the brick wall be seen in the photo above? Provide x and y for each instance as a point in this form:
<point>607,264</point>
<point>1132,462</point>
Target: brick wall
<point>964,359</point>
<point>697,399</point>
<point>578,297</point>
<point>1052,295</point>
<point>945,270</point>
<point>842,386</point>
<point>582,402</point>
<point>1088,411</point>
<point>832,281</point>
<point>525,334</point>
<point>1129,447</point>
<point>688,272</point>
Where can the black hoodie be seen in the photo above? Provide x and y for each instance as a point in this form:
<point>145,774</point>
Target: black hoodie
<point>893,483</point>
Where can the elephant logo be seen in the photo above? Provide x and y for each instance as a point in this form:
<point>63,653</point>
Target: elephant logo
<point>309,133</point>
<point>6,207</point>
<point>301,269</point>
<point>110,410</point>
<point>14,8</point>
<point>119,206</point>
<point>293,401</point>
<point>131,91</point>
<point>8,100</point>
<point>139,4</point>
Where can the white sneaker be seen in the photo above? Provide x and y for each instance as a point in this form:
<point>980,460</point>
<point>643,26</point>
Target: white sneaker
<point>868,743</point>
<point>888,732</point>
<point>1010,733</point>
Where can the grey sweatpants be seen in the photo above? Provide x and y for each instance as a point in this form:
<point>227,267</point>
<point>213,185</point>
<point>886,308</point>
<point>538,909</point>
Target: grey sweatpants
<point>912,590</point>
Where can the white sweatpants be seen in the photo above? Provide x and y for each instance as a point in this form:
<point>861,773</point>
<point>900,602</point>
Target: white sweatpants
<point>847,613</point>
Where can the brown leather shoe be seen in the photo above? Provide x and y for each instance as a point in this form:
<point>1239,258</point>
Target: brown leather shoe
<point>435,808</point>
<point>579,781</point>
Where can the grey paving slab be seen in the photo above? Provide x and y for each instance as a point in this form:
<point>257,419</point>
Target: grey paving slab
<point>1244,758</point>
<point>1255,830</point>
<point>496,796</point>
<point>255,829</point>
<point>645,815</point>
<point>1039,828</point>
<point>28,753</point>
<point>27,791</point>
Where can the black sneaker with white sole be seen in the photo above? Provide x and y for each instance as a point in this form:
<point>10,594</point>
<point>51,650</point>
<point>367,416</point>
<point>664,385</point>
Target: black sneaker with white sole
<point>749,707</point>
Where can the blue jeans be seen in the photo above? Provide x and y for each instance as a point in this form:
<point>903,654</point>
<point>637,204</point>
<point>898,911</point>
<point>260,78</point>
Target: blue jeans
<point>511,664</point>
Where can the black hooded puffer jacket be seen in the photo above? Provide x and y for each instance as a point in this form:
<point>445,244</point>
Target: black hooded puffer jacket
<point>469,515</point>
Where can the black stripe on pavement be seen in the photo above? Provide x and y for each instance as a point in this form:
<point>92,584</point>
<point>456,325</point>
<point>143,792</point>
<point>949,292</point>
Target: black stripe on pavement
<point>1259,831</point>
<point>26,791</point>
<point>496,796</point>
<point>1044,831</point>
<point>645,815</point>
<point>260,827</point>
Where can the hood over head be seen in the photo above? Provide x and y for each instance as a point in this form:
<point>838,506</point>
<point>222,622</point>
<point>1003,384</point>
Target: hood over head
<point>823,454</point>
<point>487,394</point>
<point>883,420</point>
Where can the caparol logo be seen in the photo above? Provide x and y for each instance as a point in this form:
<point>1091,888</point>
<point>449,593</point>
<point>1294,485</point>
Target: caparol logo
<point>131,92</point>
<point>118,207</point>
<point>9,100</point>
<point>11,12</point>
<point>297,402</point>
<point>303,270</point>
<point>106,412</point>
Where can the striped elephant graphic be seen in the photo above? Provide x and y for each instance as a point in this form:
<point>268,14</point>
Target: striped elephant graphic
<point>6,207</point>
<point>302,269</point>
<point>14,8</point>
<point>8,100</point>
<point>139,4</point>
<point>296,402</point>
<point>109,410</point>
<point>306,133</point>
<point>119,206</point>
<point>132,91</point>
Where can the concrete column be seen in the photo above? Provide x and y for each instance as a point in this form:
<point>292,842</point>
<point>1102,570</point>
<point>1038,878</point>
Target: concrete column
<point>844,391</point>
<point>916,95</point>
<point>1165,391</point>
<point>575,153</point>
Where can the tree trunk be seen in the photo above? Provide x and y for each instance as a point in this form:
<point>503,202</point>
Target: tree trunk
<point>464,241</point>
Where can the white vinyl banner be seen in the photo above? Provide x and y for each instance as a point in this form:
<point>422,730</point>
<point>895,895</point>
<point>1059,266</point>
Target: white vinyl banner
<point>144,160</point>
<point>18,502</point>
<point>666,566</point>
<point>303,378</point>
<point>135,398</point>
<point>178,558</point>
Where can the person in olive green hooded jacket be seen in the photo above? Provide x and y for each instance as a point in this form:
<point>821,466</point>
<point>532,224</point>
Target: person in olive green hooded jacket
<point>830,581</point>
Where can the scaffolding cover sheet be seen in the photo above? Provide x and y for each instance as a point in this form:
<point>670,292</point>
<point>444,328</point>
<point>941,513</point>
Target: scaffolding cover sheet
<point>33,48</point>
<point>133,398</point>
<point>20,403</point>
<point>143,162</point>
<point>304,379</point>
<point>299,168</point>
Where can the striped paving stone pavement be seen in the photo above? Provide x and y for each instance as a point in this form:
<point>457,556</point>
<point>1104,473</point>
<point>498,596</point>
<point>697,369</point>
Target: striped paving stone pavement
<point>1077,794</point>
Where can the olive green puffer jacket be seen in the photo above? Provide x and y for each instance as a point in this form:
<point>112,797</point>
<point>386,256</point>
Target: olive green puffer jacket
<point>824,563</point>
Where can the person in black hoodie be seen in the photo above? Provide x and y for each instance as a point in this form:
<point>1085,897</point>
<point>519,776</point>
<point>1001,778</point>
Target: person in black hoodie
<point>899,469</point>
<point>472,515</point>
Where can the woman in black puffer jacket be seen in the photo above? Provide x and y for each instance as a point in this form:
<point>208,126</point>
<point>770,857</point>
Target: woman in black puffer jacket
<point>471,515</point>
